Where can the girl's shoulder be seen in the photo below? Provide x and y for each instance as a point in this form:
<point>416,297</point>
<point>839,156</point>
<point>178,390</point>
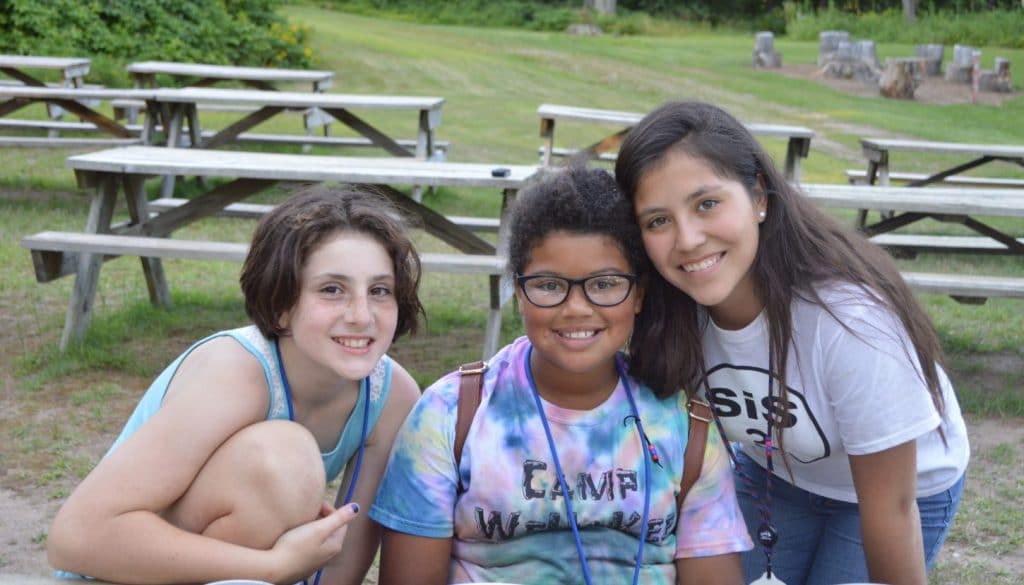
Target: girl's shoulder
<point>844,305</point>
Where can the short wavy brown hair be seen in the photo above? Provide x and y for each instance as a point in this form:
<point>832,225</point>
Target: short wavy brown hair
<point>287,236</point>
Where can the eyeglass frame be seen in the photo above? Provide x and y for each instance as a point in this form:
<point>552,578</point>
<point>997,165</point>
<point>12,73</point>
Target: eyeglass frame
<point>522,279</point>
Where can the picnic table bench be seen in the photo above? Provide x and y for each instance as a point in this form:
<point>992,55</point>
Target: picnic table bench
<point>946,204</point>
<point>125,169</point>
<point>74,100</point>
<point>797,147</point>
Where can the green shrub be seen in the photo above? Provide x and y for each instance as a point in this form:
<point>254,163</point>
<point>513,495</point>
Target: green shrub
<point>992,28</point>
<point>241,32</point>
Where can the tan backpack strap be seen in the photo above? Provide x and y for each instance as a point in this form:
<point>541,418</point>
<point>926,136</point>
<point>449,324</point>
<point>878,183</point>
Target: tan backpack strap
<point>697,438</point>
<point>470,388</point>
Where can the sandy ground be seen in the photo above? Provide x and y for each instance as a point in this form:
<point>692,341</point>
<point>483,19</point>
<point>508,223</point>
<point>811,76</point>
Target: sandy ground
<point>25,517</point>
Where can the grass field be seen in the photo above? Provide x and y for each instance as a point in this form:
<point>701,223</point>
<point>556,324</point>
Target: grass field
<point>60,411</point>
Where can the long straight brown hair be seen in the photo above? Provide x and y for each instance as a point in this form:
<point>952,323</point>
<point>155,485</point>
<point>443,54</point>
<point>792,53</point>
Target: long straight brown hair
<point>799,249</point>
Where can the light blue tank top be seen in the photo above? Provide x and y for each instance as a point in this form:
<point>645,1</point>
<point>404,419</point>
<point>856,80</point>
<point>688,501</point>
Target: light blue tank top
<point>262,349</point>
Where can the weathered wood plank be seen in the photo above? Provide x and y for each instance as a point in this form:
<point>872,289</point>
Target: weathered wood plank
<point>258,210</point>
<point>118,245</point>
<point>43,141</point>
<point>152,160</point>
<point>230,72</point>
<point>939,200</point>
<point>294,99</point>
<point>859,176</point>
<point>1001,150</point>
<point>594,115</point>
<point>944,244</point>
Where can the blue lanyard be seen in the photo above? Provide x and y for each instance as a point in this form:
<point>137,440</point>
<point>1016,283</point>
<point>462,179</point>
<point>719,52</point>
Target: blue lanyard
<point>561,476</point>
<point>364,386</point>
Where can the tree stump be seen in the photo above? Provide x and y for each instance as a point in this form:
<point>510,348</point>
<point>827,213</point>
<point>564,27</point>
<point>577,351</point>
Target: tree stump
<point>959,70</point>
<point>932,57</point>
<point>900,78</point>
<point>997,79</point>
<point>764,51</point>
<point>828,44</point>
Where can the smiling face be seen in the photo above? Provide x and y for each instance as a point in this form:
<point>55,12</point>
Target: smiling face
<point>346,313</point>
<point>575,342</point>
<point>701,233</point>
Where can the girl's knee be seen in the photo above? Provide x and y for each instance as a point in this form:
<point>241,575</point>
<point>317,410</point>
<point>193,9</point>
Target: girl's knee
<point>280,460</point>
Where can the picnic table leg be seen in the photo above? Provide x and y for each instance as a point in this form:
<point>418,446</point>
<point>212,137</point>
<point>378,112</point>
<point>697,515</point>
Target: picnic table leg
<point>79,314</point>
<point>424,147</point>
<point>173,141</point>
<point>547,133</point>
<point>152,268</point>
<point>141,80</point>
<point>501,288</point>
<point>793,155</point>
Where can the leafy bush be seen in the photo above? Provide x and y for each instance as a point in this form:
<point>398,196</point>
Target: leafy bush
<point>999,28</point>
<point>240,32</point>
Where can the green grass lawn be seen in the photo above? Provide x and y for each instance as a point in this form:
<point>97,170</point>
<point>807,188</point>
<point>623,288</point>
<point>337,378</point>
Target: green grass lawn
<point>493,80</point>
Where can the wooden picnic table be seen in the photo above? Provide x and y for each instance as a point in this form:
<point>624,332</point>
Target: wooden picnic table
<point>144,74</point>
<point>125,169</point>
<point>72,74</point>
<point>797,147</point>
<point>947,204</point>
<point>72,70</point>
<point>178,105</point>
<point>877,150</point>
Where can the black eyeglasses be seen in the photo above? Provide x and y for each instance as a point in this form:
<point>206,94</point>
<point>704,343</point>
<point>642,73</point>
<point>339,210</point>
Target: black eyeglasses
<point>603,290</point>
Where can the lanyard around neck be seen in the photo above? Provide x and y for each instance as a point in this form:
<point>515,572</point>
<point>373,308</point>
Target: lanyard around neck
<point>645,443</point>
<point>364,387</point>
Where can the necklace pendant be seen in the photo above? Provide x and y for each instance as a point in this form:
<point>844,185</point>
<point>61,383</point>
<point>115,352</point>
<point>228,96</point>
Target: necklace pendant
<point>767,535</point>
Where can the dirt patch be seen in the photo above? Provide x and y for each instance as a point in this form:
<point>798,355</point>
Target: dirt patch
<point>933,90</point>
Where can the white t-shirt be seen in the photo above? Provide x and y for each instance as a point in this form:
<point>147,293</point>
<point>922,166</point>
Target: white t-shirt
<point>849,394</point>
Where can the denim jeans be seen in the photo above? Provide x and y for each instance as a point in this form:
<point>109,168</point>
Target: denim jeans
<point>819,538</point>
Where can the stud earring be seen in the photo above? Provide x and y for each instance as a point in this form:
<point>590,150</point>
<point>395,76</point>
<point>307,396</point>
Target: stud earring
<point>762,214</point>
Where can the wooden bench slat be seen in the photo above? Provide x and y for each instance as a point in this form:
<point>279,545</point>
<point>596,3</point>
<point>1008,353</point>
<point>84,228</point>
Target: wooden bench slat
<point>965,285</point>
<point>341,141</point>
<point>859,176</point>
<point>258,210</point>
<point>945,244</point>
<point>148,247</point>
<point>43,141</point>
<point>980,201</point>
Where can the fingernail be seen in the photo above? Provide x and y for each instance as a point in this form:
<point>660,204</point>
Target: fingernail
<point>355,508</point>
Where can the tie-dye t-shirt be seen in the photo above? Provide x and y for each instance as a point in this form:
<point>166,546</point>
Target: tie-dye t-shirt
<point>509,525</point>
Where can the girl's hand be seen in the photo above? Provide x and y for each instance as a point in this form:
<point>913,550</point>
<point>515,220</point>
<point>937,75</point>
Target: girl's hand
<point>304,549</point>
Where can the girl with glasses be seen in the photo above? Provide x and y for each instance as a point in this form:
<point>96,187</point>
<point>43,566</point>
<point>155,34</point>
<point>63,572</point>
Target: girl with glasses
<point>570,469</point>
<point>220,471</point>
<point>816,356</point>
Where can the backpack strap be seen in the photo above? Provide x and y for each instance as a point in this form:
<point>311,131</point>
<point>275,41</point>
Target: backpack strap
<point>697,438</point>
<point>471,388</point>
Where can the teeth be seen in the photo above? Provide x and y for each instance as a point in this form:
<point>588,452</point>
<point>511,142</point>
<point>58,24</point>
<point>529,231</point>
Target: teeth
<point>578,334</point>
<point>354,343</point>
<point>703,264</point>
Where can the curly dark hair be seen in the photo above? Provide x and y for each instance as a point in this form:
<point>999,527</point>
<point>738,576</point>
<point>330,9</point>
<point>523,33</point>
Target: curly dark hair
<point>577,200</point>
<point>287,236</point>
